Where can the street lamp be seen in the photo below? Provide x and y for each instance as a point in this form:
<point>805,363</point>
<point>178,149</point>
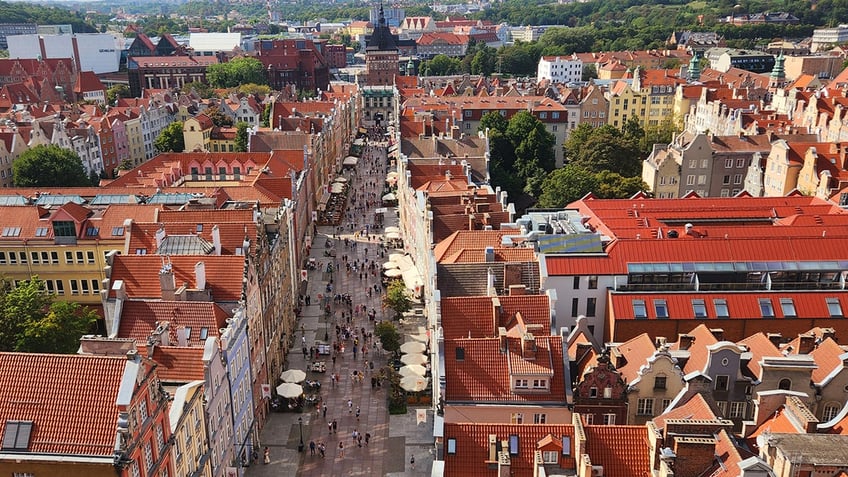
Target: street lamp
<point>300,422</point>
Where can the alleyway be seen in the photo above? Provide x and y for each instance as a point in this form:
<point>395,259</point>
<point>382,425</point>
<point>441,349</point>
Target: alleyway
<point>394,440</point>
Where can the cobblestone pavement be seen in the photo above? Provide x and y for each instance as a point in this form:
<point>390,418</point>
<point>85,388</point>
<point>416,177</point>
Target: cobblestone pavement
<point>394,439</point>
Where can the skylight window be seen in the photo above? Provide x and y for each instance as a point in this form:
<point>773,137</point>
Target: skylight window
<point>721,310</point>
<point>787,307</point>
<point>661,308</point>
<point>766,308</point>
<point>11,231</point>
<point>92,231</point>
<point>639,309</point>
<point>699,308</point>
<point>460,353</point>
<point>16,435</point>
<point>834,307</point>
<point>117,231</point>
<point>41,232</point>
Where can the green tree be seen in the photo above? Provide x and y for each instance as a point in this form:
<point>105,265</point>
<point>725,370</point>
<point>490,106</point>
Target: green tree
<point>201,89</point>
<point>49,166</point>
<point>241,136</point>
<point>397,298</point>
<point>32,322</point>
<point>118,91</point>
<point>171,138</point>
<point>253,88</point>
<point>442,65</point>
<point>218,118</point>
<point>565,185</point>
<point>590,72</point>
<point>236,72</point>
<point>484,62</point>
<point>612,185</point>
<point>607,149</point>
<point>388,335</point>
<point>125,165</point>
<point>266,115</point>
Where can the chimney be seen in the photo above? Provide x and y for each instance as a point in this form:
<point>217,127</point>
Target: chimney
<point>528,346</point>
<point>100,346</point>
<point>167,282</point>
<point>828,333</point>
<point>775,339</point>
<point>718,333</point>
<point>686,341</point>
<point>496,311</point>
<point>245,246</point>
<point>160,236</point>
<point>490,254</point>
<point>490,286</point>
<point>802,414</point>
<point>504,464</point>
<point>694,454</point>
<point>503,339</point>
<point>200,275</point>
<point>806,343</point>
<point>493,447</point>
<point>182,337</point>
<point>216,239</point>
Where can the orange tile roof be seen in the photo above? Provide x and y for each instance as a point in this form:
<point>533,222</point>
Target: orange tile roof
<point>779,423</point>
<point>636,351</point>
<point>760,347</point>
<point>728,456</point>
<point>140,274</point>
<point>501,255</point>
<point>827,356</point>
<point>177,364</point>
<point>698,353</point>
<point>483,376</point>
<point>474,316</point>
<point>69,398</point>
<point>622,450</point>
<point>140,317</point>
<point>143,235</point>
<point>695,409</point>
<point>472,447</point>
<point>463,239</point>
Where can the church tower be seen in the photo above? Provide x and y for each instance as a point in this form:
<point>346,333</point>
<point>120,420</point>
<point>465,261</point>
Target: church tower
<point>381,55</point>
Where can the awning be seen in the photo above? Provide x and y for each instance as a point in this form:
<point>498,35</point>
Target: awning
<point>350,161</point>
<point>393,236</point>
<point>380,210</point>
<point>340,179</point>
<point>392,228</point>
<point>393,273</point>
<point>359,142</point>
<point>337,188</point>
<point>393,148</point>
<point>389,197</point>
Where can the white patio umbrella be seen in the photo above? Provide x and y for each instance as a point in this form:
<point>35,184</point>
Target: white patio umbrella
<point>413,358</point>
<point>412,347</point>
<point>393,273</point>
<point>340,179</point>
<point>289,390</point>
<point>395,257</point>
<point>392,235</point>
<point>392,174</point>
<point>389,197</point>
<point>350,161</point>
<point>390,265</point>
<point>412,370</point>
<point>414,383</point>
<point>392,229</point>
<point>337,188</point>
<point>419,337</point>
<point>293,376</point>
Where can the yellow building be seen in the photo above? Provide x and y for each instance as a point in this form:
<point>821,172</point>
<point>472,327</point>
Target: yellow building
<point>624,103</point>
<point>190,453</point>
<point>783,166</point>
<point>200,134</point>
<point>135,139</point>
<point>63,243</point>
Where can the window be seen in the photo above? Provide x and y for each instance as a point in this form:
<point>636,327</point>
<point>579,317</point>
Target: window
<point>607,392</point>
<point>513,444</point>
<point>721,382</point>
<point>765,307</point>
<point>516,418</point>
<point>80,258</point>
<point>41,232</point>
<point>451,446</point>
<point>784,384</point>
<point>665,404</point>
<point>590,306</point>
<point>722,407</point>
<point>690,180</point>
<point>737,409</point>
<point>661,308</point>
<point>522,383</point>
<point>593,282</point>
<point>693,163</point>
<point>639,309</point>
<point>720,305</point>
<point>2,258</point>
<point>92,231</point>
<point>33,256</point>
<point>575,283</point>
<point>699,308</point>
<point>160,437</point>
<point>64,229</point>
<point>645,407</point>
<point>45,258</point>
<point>89,255</point>
<point>117,231</point>
<point>69,257</point>
<point>725,180</point>
<point>142,410</point>
<point>84,284</point>
<point>787,307</point>
<point>134,470</point>
<point>22,256</point>
<point>737,178</point>
<point>830,411</point>
<point>575,303</point>
<point>95,286</point>
<point>549,457</point>
<point>12,231</point>
<point>609,419</point>
<point>728,163</point>
<point>60,287</point>
<point>659,382</point>
<point>16,435</point>
<point>593,392</point>
<point>740,162</point>
<point>588,419</point>
<point>540,418</point>
<point>540,384</point>
<point>833,305</point>
<point>74,287</point>
<point>148,456</point>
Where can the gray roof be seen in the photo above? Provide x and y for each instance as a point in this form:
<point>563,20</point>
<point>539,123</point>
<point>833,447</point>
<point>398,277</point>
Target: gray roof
<point>812,449</point>
<point>185,245</point>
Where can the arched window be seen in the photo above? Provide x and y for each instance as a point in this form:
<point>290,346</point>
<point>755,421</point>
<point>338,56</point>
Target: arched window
<point>830,411</point>
<point>784,384</point>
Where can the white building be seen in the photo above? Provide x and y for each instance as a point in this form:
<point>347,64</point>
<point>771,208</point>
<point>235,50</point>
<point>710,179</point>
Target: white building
<point>97,52</point>
<point>560,69</point>
<point>826,37</point>
<point>207,44</point>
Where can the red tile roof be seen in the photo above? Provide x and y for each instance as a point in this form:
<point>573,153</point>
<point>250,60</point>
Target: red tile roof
<point>177,364</point>
<point>140,317</point>
<point>728,456</point>
<point>140,274</point>
<point>69,398</point>
<point>695,409</point>
<point>760,347</point>
<point>698,353</point>
<point>779,423</point>
<point>623,451</point>
<point>475,315</point>
<point>827,356</point>
<point>473,239</point>
<point>636,351</point>
<point>472,447</point>
<point>483,374</point>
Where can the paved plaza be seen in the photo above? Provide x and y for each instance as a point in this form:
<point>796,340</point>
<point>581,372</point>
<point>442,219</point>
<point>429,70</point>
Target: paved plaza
<point>394,439</point>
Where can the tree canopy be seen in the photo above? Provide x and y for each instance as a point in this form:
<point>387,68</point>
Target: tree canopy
<point>388,335</point>
<point>241,136</point>
<point>49,166</point>
<point>236,72</point>
<point>30,321</point>
<point>397,298</point>
<point>171,138</point>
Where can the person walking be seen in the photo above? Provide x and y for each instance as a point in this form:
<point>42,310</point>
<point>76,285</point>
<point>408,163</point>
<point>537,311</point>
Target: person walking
<point>367,438</point>
<point>341,450</point>
<point>335,427</point>
<point>349,406</point>
<point>357,413</point>
<point>412,462</point>
<point>267,459</point>
<point>311,447</point>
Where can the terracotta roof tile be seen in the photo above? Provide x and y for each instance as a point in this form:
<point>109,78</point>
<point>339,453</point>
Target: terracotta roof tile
<point>698,353</point>
<point>728,456</point>
<point>472,447</point>
<point>636,351</point>
<point>760,347</point>
<point>695,408</point>
<point>140,317</point>
<point>623,451</point>
<point>55,392</point>
<point>140,274</point>
<point>468,239</point>
<point>827,356</point>
<point>475,315</point>
<point>177,364</point>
